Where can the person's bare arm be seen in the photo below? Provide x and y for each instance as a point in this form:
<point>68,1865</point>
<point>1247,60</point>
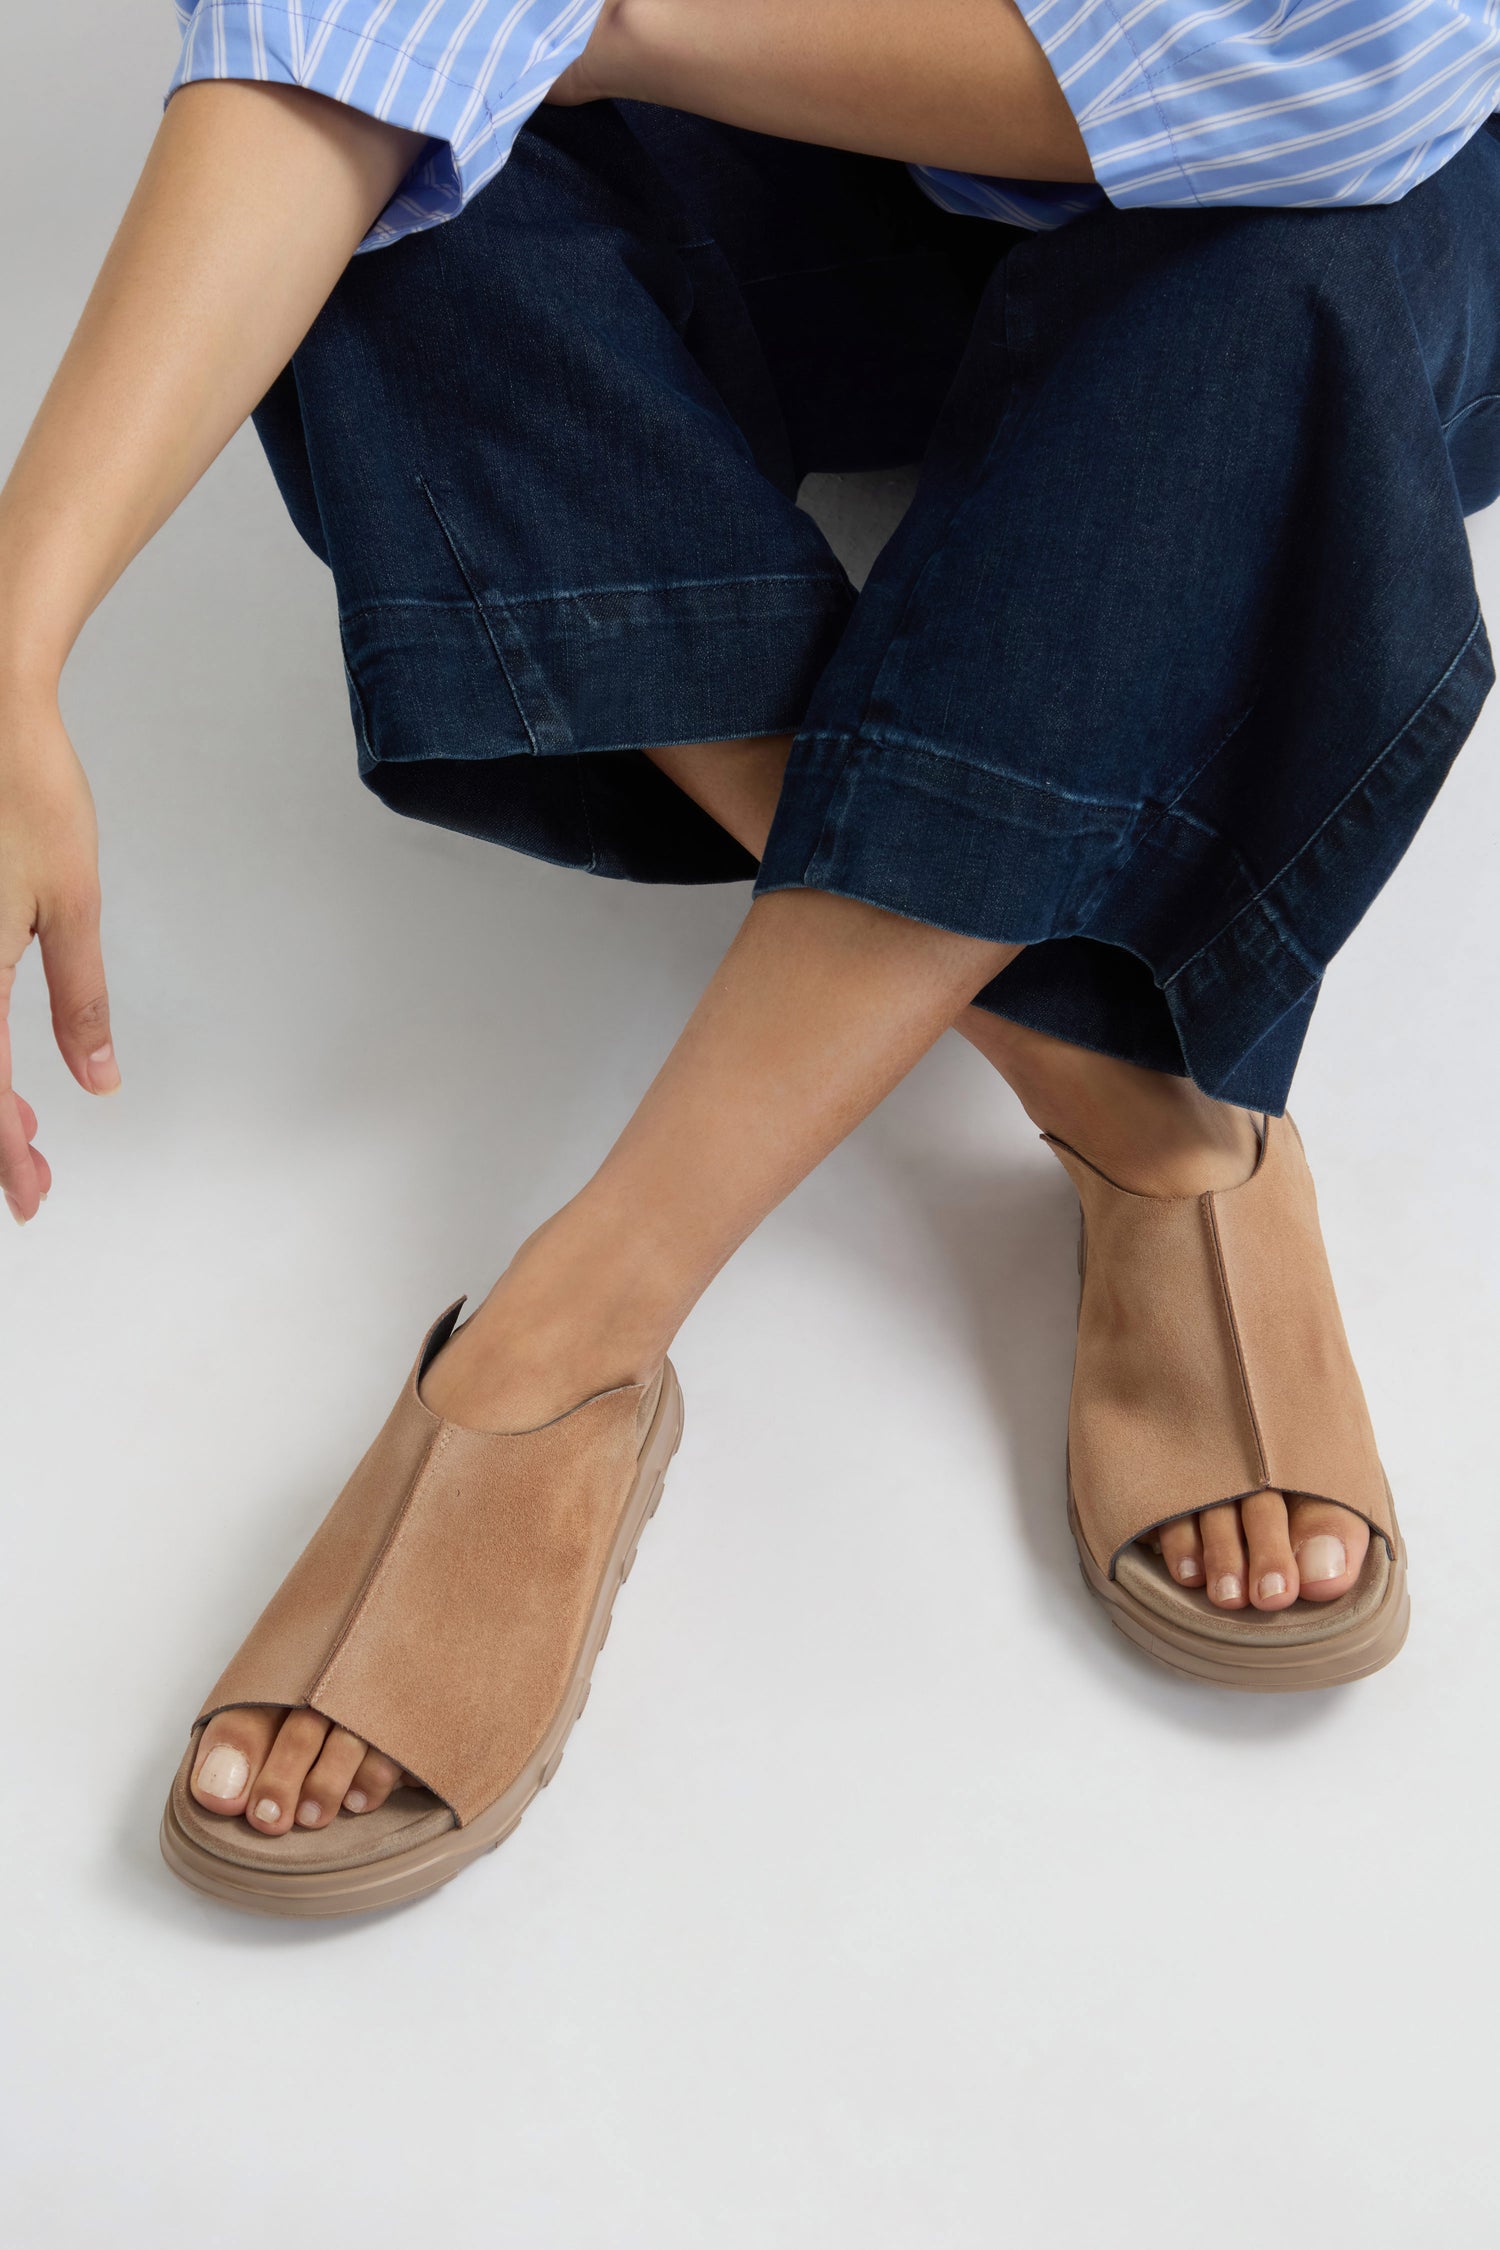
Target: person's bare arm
<point>960,84</point>
<point>251,202</point>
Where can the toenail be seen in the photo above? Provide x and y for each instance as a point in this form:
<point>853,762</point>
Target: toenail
<point>356,1801</point>
<point>1188,1567</point>
<point>1321,1558</point>
<point>1271,1585</point>
<point>224,1772</point>
<point>1228,1589</point>
<point>309,1814</point>
<point>269,1811</point>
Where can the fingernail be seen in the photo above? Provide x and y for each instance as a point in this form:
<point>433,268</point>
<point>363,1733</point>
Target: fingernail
<point>269,1811</point>
<point>224,1772</point>
<point>1321,1559</point>
<point>1271,1585</point>
<point>356,1801</point>
<point>15,1209</point>
<point>309,1814</point>
<point>1228,1589</point>
<point>104,1071</point>
<point>1188,1568</point>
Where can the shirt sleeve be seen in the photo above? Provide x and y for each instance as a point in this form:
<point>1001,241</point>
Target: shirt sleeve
<point>1304,102</point>
<point>468,73</point>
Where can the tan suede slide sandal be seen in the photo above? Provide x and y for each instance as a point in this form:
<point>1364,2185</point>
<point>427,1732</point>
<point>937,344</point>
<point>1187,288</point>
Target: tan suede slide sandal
<point>448,1611</point>
<point>1212,1364</point>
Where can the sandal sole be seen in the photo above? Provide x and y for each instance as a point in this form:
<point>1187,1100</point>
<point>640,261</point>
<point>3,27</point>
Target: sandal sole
<point>1276,1669</point>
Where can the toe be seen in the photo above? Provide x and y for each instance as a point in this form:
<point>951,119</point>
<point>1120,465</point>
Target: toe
<point>1330,1545</point>
<point>1223,1556</point>
<point>1271,1570</point>
<point>332,1774</point>
<point>230,1755</point>
<point>1182,1551</point>
<point>372,1784</point>
<point>279,1784</point>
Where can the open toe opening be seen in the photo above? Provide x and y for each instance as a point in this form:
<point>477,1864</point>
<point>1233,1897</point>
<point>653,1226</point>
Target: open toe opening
<point>409,1818</point>
<point>1144,1577</point>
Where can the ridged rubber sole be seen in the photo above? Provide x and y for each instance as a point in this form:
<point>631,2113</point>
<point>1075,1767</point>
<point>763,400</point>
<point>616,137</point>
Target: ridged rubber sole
<point>410,1875</point>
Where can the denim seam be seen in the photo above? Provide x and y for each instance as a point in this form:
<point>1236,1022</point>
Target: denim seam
<point>1485,398</point>
<point>1262,901</point>
<point>1131,813</point>
<point>819,864</point>
<point>357,698</point>
<point>876,738</point>
<point>1154,813</point>
<point>962,502</point>
<point>1087,906</point>
<point>1143,832</point>
<point>821,855</point>
<point>578,593</point>
<point>1260,890</point>
<point>1174,808</point>
<point>1260,1037</point>
<point>459,566</point>
<point>1202,827</point>
<point>1145,827</point>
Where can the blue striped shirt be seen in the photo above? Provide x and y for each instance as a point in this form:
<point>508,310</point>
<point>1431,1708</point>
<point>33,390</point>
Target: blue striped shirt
<point>1304,102</point>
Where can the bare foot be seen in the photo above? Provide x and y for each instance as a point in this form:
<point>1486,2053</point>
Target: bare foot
<point>281,1769</point>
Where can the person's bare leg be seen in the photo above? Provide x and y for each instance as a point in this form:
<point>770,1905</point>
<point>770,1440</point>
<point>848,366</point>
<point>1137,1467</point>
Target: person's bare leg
<point>820,1006</point>
<point>1150,1131</point>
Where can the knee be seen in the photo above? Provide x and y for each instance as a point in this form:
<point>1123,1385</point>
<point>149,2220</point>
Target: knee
<point>1292,271</point>
<point>1290,315</point>
<point>1395,300</point>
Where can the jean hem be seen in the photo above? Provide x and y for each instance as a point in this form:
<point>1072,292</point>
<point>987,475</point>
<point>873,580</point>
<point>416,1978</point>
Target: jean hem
<point>611,670</point>
<point>1009,860</point>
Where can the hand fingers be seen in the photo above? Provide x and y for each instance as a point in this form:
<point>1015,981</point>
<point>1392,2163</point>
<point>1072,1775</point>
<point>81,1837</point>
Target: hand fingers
<point>20,1181</point>
<point>74,967</point>
<point>20,1177</point>
<point>27,1116</point>
<point>16,1142</point>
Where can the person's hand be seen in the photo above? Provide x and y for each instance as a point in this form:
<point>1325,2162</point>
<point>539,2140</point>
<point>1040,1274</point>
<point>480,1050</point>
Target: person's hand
<point>49,889</point>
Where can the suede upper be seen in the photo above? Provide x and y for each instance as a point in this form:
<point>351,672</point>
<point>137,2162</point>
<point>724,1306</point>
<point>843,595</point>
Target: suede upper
<point>1212,1361</point>
<point>440,1609</point>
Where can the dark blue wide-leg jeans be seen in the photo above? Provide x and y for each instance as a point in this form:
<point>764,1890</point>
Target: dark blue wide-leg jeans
<point>1159,673</point>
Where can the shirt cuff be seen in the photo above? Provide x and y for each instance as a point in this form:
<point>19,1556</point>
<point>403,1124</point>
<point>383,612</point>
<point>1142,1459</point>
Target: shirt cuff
<point>396,64</point>
<point>1258,103</point>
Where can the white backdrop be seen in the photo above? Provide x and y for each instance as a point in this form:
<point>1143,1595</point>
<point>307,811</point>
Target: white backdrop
<point>886,1897</point>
